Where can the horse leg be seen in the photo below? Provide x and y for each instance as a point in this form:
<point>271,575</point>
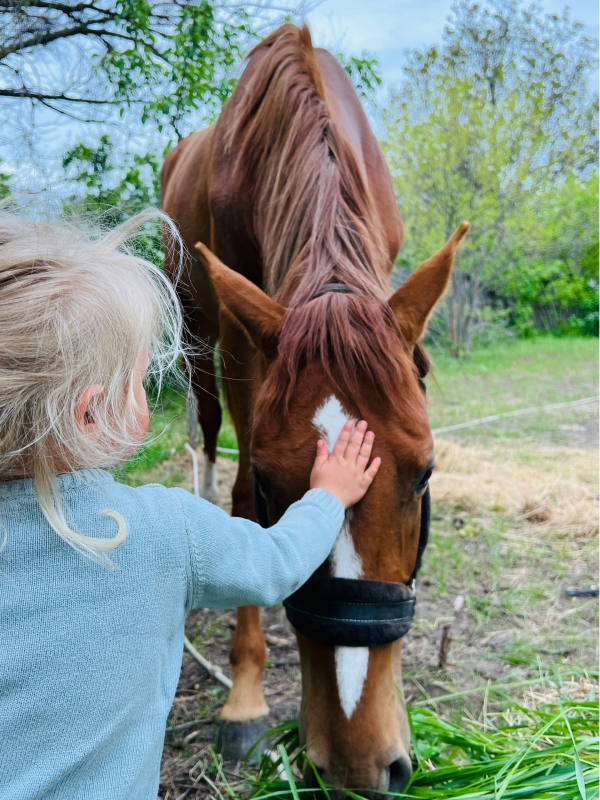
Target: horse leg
<point>243,717</point>
<point>209,411</point>
<point>204,386</point>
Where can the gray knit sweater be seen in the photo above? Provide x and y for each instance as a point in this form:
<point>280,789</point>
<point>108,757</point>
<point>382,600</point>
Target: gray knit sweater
<point>90,658</point>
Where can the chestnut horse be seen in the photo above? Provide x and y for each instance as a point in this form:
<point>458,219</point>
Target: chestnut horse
<point>290,190</point>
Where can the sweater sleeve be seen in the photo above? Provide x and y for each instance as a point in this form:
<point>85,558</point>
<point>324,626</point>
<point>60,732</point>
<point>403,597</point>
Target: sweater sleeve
<point>234,562</point>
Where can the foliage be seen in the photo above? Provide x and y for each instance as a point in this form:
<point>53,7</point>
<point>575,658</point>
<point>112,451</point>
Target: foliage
<point>364,73</point>
<point>488,127</point>
<point>4,183</point>
<point>551,280</point>
<point>159,60</point>
<point>93,167</point>
<point>115,191</point>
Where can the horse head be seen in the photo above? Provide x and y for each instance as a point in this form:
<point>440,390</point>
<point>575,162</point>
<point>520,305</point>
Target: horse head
<point>364,362</point>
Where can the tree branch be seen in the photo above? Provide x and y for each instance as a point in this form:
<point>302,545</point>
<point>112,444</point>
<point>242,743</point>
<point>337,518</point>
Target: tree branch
<point>52,36</point>
<point>15,5</point>
<point>19,94</point>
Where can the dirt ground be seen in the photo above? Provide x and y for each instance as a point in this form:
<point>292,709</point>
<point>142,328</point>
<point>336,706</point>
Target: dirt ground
<point>495,571</point>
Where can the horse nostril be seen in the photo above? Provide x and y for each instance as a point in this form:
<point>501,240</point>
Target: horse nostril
<point>400,772</point>
<point>310,779</point>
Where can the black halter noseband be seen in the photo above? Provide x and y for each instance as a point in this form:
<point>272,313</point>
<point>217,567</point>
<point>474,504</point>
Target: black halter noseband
<point>343,612</point>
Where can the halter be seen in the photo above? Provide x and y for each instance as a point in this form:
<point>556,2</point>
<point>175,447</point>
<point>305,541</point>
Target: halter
<point>344,612</point>
<point>336,287</point>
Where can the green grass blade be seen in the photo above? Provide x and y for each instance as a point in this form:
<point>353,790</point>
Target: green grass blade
<point>578,769</point>
<point>219,769</point>
<point>317,776</point>
<point>288,771</point>
<point>518,758</point>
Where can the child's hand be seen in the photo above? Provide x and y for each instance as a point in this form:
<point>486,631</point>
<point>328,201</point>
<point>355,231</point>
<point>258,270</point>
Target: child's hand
<point>343,472</point>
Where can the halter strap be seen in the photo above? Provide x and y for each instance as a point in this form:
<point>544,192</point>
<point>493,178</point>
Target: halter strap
<point>334,286</point>
<point>343,612</point>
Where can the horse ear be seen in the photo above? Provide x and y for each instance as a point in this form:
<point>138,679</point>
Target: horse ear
<point>259,316</point>
<point>414,301</point>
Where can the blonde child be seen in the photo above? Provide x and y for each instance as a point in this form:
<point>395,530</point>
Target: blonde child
<point>96,577</point>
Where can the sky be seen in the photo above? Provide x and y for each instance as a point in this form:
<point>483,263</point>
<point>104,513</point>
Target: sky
<point>387,28</point>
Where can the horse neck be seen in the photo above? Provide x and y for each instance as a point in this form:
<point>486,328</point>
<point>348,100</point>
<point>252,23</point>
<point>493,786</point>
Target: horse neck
<point>312,210</point>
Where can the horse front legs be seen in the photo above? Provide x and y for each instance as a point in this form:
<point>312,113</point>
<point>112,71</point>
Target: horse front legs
<point>247,659</point>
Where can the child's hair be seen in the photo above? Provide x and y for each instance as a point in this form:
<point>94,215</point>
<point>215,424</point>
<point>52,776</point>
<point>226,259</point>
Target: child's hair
<point>77,310</point>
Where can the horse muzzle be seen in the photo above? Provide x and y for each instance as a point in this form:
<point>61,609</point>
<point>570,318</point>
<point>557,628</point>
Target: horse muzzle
<point>368,782</point>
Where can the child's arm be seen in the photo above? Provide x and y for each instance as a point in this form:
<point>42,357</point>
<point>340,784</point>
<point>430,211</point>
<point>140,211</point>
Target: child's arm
<point>235,562</point>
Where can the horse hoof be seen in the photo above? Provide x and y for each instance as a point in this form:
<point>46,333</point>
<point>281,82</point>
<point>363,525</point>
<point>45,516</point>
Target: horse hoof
<point>234,739</point>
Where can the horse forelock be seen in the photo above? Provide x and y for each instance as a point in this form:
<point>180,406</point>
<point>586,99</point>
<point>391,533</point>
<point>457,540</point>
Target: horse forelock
<point>354,339</point>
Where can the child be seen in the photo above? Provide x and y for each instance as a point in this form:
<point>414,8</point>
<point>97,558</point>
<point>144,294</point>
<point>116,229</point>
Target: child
<point>90,647</point>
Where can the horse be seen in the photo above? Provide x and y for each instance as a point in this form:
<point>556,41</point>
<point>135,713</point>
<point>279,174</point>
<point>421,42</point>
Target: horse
<point>288,208</point>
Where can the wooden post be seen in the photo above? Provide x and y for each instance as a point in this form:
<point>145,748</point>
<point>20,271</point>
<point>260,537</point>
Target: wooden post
<point>445,646</point>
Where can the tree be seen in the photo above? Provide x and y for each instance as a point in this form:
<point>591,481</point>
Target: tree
<point>4,183</point>
<point>478,130</point>
<point>364,73</point>
<point>115,190</point>
<point>93,60</point>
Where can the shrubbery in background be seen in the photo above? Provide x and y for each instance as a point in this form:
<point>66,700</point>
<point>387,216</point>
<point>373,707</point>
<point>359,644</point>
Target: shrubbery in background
<point>551,278</point>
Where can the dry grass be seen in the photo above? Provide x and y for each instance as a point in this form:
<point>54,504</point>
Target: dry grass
<point>555,490</point>
<point>575,690</point>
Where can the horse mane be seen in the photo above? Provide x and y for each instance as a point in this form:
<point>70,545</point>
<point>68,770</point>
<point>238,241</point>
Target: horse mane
<point>316,222</point>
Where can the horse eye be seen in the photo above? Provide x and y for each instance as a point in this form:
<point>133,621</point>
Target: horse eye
<point>424,479</point>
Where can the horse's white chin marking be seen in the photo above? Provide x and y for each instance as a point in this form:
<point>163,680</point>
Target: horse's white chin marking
<point>210,485</point>
<point>351,663</point>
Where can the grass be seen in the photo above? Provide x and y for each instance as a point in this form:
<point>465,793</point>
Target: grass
<point>520,373</point>
<point>548,750</point>
<point>510,573</point>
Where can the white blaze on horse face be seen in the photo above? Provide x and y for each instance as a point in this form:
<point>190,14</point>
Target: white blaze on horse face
<point>346,561</point>
<point>351,663</point>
